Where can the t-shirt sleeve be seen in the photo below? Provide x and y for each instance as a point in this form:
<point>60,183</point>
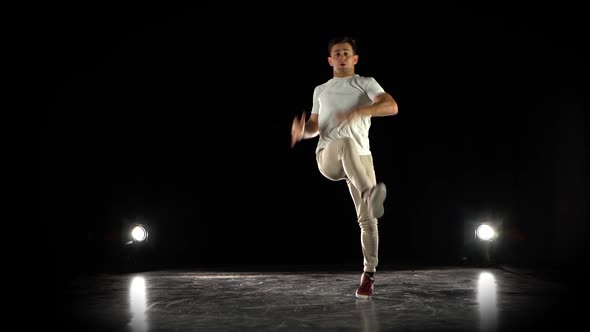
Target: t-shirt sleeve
<point>315,109</point>
<point>373,88</point>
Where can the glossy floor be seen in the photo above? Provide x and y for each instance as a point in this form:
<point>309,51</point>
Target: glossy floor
<point>315,299</point>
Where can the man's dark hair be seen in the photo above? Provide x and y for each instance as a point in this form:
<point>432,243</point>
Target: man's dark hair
<point>342,39</point>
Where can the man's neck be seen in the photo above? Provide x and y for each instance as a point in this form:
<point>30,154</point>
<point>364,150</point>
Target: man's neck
<point>343,75</point>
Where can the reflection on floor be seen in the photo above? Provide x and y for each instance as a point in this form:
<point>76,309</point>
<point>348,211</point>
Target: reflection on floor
<point>417,299</point>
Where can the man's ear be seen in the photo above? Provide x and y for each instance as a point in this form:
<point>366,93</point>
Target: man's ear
<point>330,61</point>
<point>356,58</point>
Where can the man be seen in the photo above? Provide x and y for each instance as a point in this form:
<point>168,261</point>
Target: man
<point>341,117</point>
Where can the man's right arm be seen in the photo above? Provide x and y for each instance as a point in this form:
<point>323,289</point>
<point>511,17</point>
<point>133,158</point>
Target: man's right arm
<point>302,129</point>
<point>311,127</point>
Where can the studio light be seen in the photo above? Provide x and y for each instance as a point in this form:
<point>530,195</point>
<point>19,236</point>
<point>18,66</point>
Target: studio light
<point>138,233</point>
<point>138,252</point>
<point>482,239</point>
<point>485,232</point>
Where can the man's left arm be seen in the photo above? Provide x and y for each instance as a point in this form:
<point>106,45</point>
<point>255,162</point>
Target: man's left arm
<point>383,105</point>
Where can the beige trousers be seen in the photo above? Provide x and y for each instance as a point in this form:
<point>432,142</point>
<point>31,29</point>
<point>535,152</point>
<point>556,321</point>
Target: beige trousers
<point>339,160</point>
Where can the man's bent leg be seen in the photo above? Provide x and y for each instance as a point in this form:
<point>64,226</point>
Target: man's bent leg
<point>340,160</point>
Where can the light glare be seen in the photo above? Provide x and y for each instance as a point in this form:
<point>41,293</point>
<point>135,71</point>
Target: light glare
<point>485,232</point>
<point>138,305</point>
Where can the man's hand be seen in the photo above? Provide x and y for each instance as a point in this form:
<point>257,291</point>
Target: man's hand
<point>297,130</point>
<point>348,116</point>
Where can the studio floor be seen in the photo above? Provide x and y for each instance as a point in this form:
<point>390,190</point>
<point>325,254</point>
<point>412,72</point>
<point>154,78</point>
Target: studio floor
<point>315,299</point>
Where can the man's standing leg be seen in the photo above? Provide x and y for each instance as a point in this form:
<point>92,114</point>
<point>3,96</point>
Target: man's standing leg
<point>340,161</point>
<point>369,232</point>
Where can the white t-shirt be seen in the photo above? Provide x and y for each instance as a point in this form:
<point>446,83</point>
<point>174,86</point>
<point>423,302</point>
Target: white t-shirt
<point>340,95</point>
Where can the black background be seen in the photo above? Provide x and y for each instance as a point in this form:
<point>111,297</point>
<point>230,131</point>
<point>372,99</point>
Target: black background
<point>179,117</point>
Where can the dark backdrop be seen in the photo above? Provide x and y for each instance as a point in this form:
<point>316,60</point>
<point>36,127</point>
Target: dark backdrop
<point>180,118</point>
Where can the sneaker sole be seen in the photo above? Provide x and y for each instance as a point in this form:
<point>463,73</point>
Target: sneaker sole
<point>377,209</point>
<point>362,296</point>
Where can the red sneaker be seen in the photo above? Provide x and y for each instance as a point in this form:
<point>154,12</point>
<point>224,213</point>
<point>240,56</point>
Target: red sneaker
<point>365,289</point>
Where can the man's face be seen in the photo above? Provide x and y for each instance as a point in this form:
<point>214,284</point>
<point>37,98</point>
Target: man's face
<point>342,57</point>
